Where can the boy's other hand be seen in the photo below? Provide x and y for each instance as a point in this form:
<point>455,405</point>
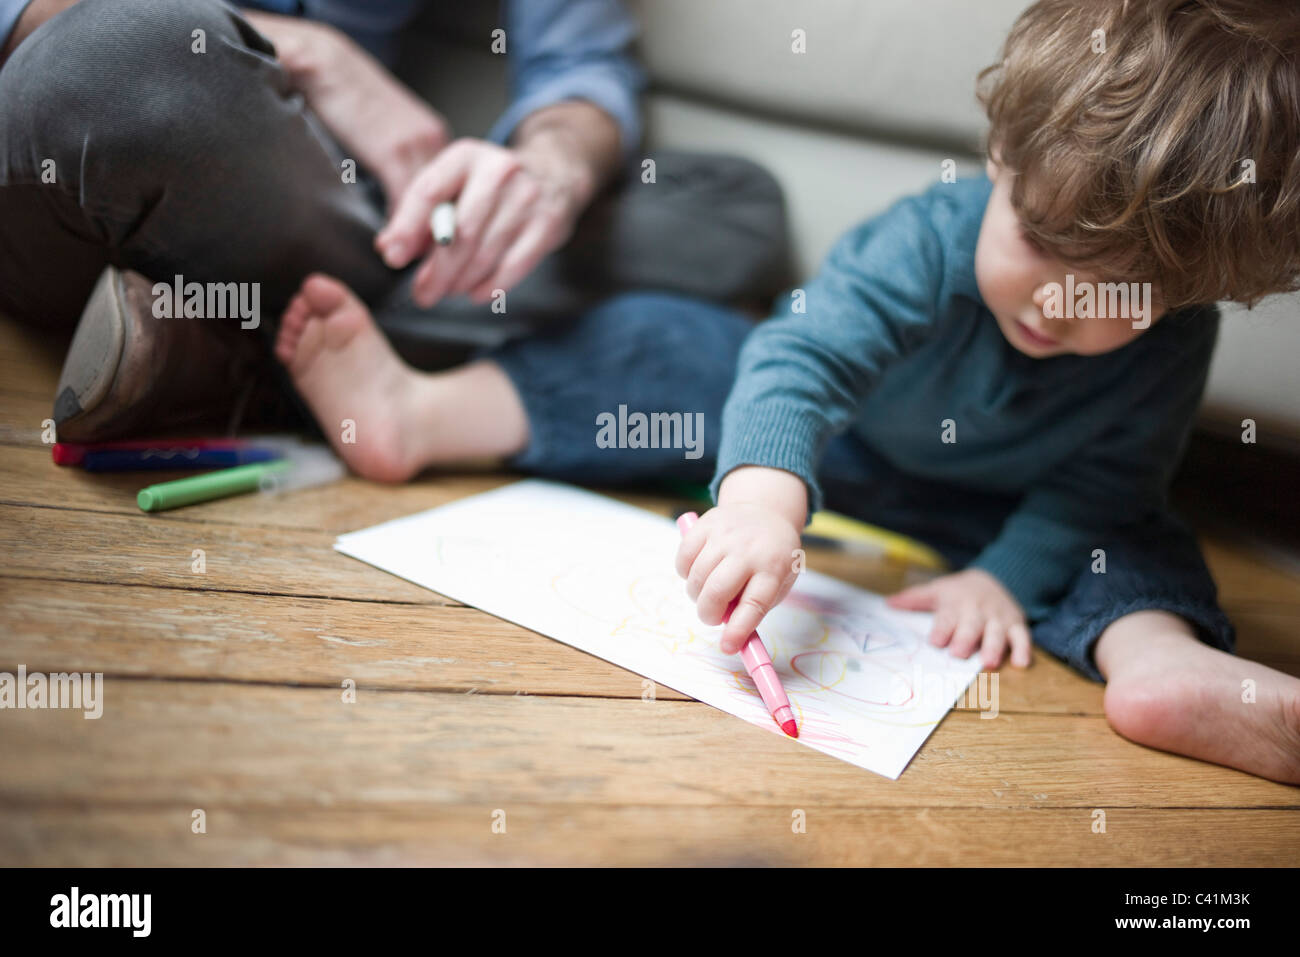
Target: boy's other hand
<point>743,551</point>
<point>971,609</point>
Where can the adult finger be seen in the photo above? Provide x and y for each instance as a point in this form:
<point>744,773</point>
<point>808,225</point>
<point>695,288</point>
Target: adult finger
<point>475,209</point>
<point>511,216</point>
<point>533,244</point>
<point>407,233</point>
<point>482,192</point>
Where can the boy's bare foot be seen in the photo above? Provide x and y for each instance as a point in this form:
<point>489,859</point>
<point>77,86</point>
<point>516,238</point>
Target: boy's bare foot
<point>1167,690</point>
<point>357,387</point>
<point>385,419</point>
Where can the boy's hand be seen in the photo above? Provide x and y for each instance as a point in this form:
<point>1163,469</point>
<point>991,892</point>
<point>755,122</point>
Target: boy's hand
<point>744,551</point>
<point>971,609</point>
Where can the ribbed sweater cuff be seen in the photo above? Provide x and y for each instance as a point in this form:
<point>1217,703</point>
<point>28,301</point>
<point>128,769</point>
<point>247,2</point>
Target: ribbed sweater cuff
<point>1034,571</point>
<point>776,436</point>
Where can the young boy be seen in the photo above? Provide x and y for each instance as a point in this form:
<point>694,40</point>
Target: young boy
<point>966,369</point>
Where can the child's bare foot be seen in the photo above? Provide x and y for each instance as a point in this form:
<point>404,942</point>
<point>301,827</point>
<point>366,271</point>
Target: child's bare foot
<point>385,419</point>
<point>1167,690</point>
<point>357,387</point>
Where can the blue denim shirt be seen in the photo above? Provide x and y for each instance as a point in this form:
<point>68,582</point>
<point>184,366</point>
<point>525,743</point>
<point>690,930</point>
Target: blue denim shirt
<point>558,50</point>
<point>10,11</point>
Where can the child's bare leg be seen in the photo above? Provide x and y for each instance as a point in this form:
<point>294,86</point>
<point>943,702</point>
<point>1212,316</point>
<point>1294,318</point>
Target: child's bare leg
<point>401,420</point>
<point>1167,690</point>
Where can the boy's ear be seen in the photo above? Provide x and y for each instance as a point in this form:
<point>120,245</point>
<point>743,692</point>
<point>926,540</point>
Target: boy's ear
<point>994,162</point>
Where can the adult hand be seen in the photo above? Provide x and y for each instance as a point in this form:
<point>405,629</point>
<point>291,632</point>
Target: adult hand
<point>513,206</point>
<point>384,126</point>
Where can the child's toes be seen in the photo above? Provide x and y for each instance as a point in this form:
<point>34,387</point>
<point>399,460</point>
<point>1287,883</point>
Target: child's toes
<point>285,347</point>
<point>323,294</point>
<point>295,316</point>
<point>292,322</point>
<point>284,344</point>
<point>286,340</point>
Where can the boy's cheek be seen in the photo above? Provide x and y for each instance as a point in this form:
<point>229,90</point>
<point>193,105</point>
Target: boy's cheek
<point>997,287</point>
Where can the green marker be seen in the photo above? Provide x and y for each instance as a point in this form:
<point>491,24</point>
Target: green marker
<point>204,488</point>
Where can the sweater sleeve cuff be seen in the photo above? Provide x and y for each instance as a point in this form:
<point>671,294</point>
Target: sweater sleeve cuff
<point>773,436</point>
<point>1034,565</point>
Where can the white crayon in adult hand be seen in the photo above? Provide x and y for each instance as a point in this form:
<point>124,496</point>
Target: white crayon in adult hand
<point>443,223</point>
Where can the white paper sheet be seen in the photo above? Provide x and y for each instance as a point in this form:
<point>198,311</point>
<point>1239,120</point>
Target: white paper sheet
<point>598,575</point>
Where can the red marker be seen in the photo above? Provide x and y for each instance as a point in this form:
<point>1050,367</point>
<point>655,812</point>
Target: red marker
<point>757,661</point>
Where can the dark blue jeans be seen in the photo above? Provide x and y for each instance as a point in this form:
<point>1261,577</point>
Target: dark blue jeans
<point>656,353</point>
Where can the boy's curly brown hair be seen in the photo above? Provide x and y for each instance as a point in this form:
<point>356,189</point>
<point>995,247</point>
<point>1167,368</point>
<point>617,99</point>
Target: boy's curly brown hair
<point>1156,140</point>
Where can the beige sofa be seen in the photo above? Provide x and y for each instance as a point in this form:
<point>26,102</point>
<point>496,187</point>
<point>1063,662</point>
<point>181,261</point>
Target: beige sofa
<point>882,96</point>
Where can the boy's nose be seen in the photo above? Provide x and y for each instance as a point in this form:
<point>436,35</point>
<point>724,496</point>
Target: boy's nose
<point>1040,295</point>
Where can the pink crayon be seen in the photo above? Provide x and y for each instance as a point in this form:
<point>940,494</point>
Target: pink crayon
<point>757,661</point>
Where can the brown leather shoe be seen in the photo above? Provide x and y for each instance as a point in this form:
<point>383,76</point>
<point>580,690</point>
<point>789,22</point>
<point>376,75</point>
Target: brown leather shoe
<point>128,372</point>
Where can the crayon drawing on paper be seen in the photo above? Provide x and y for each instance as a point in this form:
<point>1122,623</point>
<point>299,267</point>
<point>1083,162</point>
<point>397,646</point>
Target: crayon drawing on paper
<point>598,575</point>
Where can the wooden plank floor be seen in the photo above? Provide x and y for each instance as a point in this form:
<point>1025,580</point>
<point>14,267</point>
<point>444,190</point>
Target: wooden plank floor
<point>223,693</point>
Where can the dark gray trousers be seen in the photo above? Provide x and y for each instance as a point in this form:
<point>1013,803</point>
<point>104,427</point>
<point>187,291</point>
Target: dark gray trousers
<point>121,146</point>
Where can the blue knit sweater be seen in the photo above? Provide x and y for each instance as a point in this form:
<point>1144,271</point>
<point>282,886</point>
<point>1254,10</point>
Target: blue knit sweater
<point>895,340</point>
